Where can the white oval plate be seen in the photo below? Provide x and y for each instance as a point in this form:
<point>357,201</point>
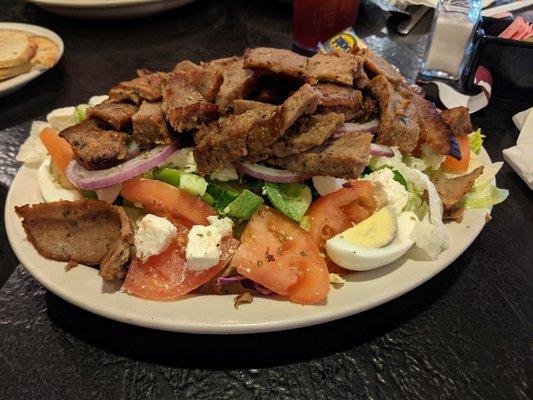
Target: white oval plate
<point>83,287</point>
<point>10,85</point>
<point>108,9</point>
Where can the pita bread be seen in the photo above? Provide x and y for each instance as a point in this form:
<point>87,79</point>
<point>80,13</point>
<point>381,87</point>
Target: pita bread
<point>15,48</point>
<point>47,52</point>
<point>14,71</point>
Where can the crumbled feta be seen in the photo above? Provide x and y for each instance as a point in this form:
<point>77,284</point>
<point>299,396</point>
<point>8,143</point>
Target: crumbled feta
<point>182,159</point>
<point>336,279</point>
<point>62,118</point>
<point>110,193</point>
<point>203,245</point>
<point>327,184</point>
<point>32,150</point>
<point>387,192</point>
<point>224,225</point>
<point>153,236</point>
<point>95,100</point>
<point>228,173</point>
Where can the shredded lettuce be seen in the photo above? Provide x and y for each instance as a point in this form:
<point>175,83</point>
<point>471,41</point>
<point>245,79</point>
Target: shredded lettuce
<point>431,158</point>
<point>410,161</point>
<point>429,234</point>
<point>475,139</point>
<point>484,195</point>
<point>415,203</point>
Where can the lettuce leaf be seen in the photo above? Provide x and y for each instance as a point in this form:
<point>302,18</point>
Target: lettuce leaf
<point>475,139</point>
<point>415,202</point>
<point>429,234</point>
<point>484,195</point>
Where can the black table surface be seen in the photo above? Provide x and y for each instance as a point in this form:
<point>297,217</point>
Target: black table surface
<point>465,334</point>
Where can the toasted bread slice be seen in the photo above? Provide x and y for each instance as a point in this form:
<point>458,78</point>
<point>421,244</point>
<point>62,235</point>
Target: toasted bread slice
<point>14,71</point>
<point>15,48</point>
<point>47,52</point>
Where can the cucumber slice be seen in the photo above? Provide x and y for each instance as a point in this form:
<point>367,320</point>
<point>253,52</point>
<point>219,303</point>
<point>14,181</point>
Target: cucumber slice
<point>243,206</point>
<point>291,199</point>
<point>191,183</point>
<point>222,194</point>
<point>232,200</point>
<point>168,175</point>
<point>80,112</point>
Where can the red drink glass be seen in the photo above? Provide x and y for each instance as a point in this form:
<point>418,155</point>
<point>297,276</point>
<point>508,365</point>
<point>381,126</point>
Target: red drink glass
<point>316,21</point>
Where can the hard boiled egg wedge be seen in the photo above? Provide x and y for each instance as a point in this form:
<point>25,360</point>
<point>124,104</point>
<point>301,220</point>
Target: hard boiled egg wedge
<point>374,242</point>
<point>50,188</point>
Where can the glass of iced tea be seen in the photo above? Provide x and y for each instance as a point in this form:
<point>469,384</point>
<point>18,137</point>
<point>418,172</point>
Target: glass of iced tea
<point>315,21</point>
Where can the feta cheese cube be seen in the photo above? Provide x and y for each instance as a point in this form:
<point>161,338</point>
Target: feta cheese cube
<point>182,159</point>
<point>387,192</point>
<point>228,173</point>
<point>203,246</point>
<point>153,236</point>
<point>95,100</point>
<point>62,118</point>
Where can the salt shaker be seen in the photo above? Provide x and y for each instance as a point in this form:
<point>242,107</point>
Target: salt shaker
<point>450,41</point>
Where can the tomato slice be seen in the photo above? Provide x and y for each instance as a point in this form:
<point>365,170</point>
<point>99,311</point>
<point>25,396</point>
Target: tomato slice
<point>276,253</point>
<point>452,164</point>
<point>338,211</point>
<point>59,149</point>
<point>165,276</point>
<point>161,198</point>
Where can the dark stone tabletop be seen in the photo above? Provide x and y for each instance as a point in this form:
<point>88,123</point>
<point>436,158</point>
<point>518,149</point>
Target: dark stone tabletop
<point>465,334</point>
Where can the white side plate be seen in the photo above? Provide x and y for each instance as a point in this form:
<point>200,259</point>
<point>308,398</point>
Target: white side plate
<point>108,9</point>
<point>10,85</point>
<point>83,287</point>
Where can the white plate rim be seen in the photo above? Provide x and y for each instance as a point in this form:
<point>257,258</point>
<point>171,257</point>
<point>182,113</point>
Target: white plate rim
<point>27,256</point>
<point>12,84</point>
<point>94,4</point>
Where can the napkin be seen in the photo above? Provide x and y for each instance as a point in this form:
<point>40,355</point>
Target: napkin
<point>403,4</point>
<point>520,157</point>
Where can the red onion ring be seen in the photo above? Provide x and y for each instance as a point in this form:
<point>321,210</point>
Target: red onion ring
<point>271,174</point>
<point>354,127</point>
<point>91,180</point>
<point>227,280</point>
<point>380,150</point>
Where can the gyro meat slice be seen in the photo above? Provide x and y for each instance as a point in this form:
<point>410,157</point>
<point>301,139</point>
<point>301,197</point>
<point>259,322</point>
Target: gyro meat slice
<point>149,125</point>
<point>433,131</point>
<point>116,114</point>
<point>85,231</point>
<point>184,107</point>
<point>303,101</point>
<point>397,124</point>
<point>338,68</point>
<point>206,79</point>
<point>224,141</point>
<point>341,157</point>
<point>377,65</point>
<point>237,83</point>
<point>309,131</point>
<point>240,106</point>
<point>94,146</point>
<point>149,87</point>
<point>453,190</point>
<point>276,61</point>
<point>458,120</point>
<point>276,122</point>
